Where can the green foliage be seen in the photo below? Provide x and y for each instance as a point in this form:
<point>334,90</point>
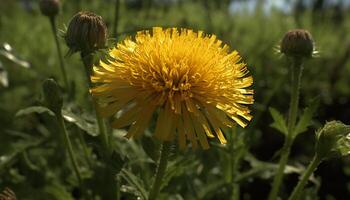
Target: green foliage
<point>279,123</point>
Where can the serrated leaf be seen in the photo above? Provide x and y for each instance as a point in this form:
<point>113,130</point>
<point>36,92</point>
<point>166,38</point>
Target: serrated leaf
<point>34,109</point>
<point>279,123</point>
<point>135,182</point>
<point>88,126</point>
<point>305,119</point>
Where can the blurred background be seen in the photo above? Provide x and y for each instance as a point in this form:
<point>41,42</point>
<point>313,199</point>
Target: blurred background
<point>252,27</point>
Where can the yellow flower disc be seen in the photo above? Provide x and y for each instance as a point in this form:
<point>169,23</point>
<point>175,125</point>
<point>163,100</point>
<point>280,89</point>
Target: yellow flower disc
<point>191,80</point>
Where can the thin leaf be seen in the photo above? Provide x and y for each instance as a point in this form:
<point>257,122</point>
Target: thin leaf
<point>34,109</point>
<point>305,119</point>
<point>135,182</point>
<point>279,122</point>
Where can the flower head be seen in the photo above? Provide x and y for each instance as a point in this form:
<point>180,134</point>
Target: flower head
<point>86,32</point>
<point>49,8</point>
<point>190,79</point>
<point>297,43</point>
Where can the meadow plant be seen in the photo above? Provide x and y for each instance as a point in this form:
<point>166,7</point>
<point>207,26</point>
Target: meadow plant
<point>167,103</point>
<point>297,45</point>
<point>189,79</point>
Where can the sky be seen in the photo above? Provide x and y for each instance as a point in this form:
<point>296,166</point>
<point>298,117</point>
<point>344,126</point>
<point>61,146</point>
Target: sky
<point>284,5</point>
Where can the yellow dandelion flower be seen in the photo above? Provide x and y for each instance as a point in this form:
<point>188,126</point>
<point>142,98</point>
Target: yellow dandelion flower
<point>190,79</point>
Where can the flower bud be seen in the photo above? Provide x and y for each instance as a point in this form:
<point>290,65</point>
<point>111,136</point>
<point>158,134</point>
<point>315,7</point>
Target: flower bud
<point>333,140</point>
<point>86,33</point>
<point>297,43</point>
<point>52,95</point>
<point>49,8</point>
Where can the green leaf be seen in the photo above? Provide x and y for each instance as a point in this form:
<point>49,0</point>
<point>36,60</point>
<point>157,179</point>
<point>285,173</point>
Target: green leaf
<point>89,126</point>
<point>7,52</point>
<point>279,123</point>
<point>58,192</point>
<point>135,182</point>
<point>305,119</point>
<point>34,109</point>
<point>210,189</point>
<point>178,168</point>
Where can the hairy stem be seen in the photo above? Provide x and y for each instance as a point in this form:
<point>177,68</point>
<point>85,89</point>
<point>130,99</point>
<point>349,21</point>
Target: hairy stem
<point>88,63</point>
<point>296,73</point>
<point>161,167</point>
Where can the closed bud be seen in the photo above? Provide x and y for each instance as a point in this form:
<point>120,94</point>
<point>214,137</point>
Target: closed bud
<point>52,95</point>
<point>86,33</point>
<point>333,140</point>
<point>297,43</point>
<point>49,8</point>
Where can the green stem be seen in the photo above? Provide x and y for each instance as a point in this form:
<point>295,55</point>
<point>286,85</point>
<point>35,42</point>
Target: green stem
<point>88,63</point>
<point>68,145</point>
<point>85,148</point>
<point>63,70</point>
<point>301,184</point>
<point>87,58</point>
<point>116,18</point>
<point>296,73</point>
<point>235,161</point>
<point>161,167</point>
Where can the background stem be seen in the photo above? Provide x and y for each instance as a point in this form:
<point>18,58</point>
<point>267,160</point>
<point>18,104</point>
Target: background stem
<point>116,18</point>
<point>161,167</point>
<point>63,70</point>
<point>296,73</point>
<point>69,147</point>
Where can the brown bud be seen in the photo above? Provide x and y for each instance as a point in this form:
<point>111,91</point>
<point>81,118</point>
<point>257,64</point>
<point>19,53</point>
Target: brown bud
<point>49,8</point>
<point>297,43</point>
<point>86,33</point>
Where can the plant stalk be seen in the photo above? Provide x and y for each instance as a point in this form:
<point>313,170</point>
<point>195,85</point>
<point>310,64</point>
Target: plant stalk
<point>236,155</point>
<point>62,67</point>
<point>161,167</point>
<point>88,63</point>
<point>301,184</point>
<point>116,18</point>
<point>69,147</point>
<point>296,73</point>
<point>87,58</point>
<point>85,148</point>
